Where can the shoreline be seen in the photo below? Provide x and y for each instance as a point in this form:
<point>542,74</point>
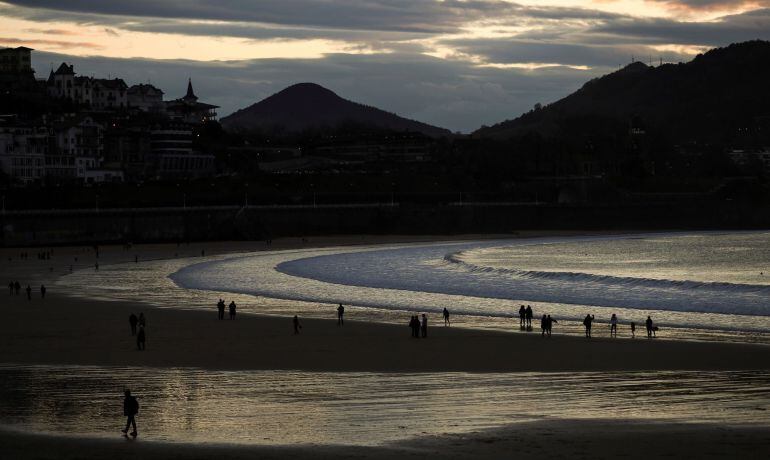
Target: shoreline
<point>96,332</point>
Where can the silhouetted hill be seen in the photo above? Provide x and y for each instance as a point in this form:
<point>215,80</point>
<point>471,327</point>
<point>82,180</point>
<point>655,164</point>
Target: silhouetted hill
<point>308,106</point>
<point>709,98</point>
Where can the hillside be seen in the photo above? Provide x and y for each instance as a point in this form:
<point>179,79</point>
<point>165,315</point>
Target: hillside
<point>308,106</point>
<point>709,98</point>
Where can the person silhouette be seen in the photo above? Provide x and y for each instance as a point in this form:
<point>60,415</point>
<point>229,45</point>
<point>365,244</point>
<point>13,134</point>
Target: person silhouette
<point>133,320</point>
<point>522,317</point>
<point>340,313</point>
<point>529,314</point>
<point>10,288</point>
<point>424,326</point>
<point>633,329</point>
<point>140,338</point>
<point>130,409</point>
<point>42,291</point>
<point>543,326</point>
<point>549,324</point>
<point>446,317</point>
<point>17,287</point>
<point>414,324</point>
<point>297,326</point>
<point>614,326</point>
<point>232,309</point>
<point>221,308</point>
<point>587,323</point>
<point>29,292</point>
<point>648,324</point>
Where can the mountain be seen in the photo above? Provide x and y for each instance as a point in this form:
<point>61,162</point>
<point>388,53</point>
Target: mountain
<point>709,98</point>
<point>307,106</point>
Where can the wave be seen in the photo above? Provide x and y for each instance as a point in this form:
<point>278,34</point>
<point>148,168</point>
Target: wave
<point>455,258</point>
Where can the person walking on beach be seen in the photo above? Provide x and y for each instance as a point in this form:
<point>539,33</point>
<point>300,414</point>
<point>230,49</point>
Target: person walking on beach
<point>424,327</point>
<point>446,317</point>
<point>633,329</point>
<point>549,324</point>
<point>522,317</point>
<point>414,324</point>
<point>340,313</point>
<point>528,313</point>
<point>133,320</point>
<point>543,326</point>
<point>130,409</point>
<point>29,292</point>
<point>587,323</point>
<point>232,309</point>
<point>42,291</point>
<point>140,339</point>
<point>648,324</point>
<point>297,326</point>
<point>614,326</point>
<point>221,308</point>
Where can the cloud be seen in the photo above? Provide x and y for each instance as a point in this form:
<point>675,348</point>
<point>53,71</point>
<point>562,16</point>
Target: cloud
<point>380,15</point>
<point>60,44</point>
<point>727,29</point>
<point>711,5</point>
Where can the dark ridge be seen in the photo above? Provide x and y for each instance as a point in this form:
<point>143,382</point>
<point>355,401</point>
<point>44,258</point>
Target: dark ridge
<point>715,93</point>
<point>307,106</point>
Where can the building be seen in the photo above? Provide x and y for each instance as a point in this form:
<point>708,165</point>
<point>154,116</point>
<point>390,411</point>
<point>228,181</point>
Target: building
<point>109,93</point>
<point>174,154</point>
<point>61,83</point>
<point>16,60</point>
<point>188,110</point>
<point>22,150</point>
<point>146,98</point>
<point>79,145</point>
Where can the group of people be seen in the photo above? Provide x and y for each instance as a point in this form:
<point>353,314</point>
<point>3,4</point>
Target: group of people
<point>419,328</point>
<point>141,336</point>
<point>525,317</point>
<point>14,288</point>
<point>221,309</point>
<point>546,325</point>
<point>651,328</point>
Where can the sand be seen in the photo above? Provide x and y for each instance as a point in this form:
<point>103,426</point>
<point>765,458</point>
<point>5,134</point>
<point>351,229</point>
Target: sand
<point>61,329</point>
<point>574,439</point>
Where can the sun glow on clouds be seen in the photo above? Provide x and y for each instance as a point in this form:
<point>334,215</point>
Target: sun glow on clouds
<point>90,40</point>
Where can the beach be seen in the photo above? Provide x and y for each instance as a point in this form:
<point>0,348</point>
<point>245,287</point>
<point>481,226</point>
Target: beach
<point>63,329</point>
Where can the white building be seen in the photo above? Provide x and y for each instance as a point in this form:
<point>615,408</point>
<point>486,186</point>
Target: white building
<point>22,151</point>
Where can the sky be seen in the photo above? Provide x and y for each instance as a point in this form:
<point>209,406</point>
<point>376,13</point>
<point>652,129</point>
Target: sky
<point>458,64</point>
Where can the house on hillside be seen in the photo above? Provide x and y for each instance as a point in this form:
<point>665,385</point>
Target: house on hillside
<point>23,147</point>
<point>146,98</point>
<point>187,109</point>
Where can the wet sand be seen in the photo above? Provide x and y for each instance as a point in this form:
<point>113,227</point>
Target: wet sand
<point>576,439</point>
<point>66,330</point>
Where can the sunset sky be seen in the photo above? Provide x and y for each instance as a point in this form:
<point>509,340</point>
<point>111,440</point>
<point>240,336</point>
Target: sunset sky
<point>452,63</point>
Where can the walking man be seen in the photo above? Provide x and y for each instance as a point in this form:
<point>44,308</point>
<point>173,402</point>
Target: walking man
<point>221,308</point>
<point>446,317</point>
<point>42,291</point>
<point>587,323</point>
<point>130,409</point>
<point>29,292</point>
<point>424,326</point>
<point>232,309</point>
<point>133,320</point>
<point>340,313</point>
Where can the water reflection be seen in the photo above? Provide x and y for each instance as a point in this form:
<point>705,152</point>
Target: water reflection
<point>276,407</point>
